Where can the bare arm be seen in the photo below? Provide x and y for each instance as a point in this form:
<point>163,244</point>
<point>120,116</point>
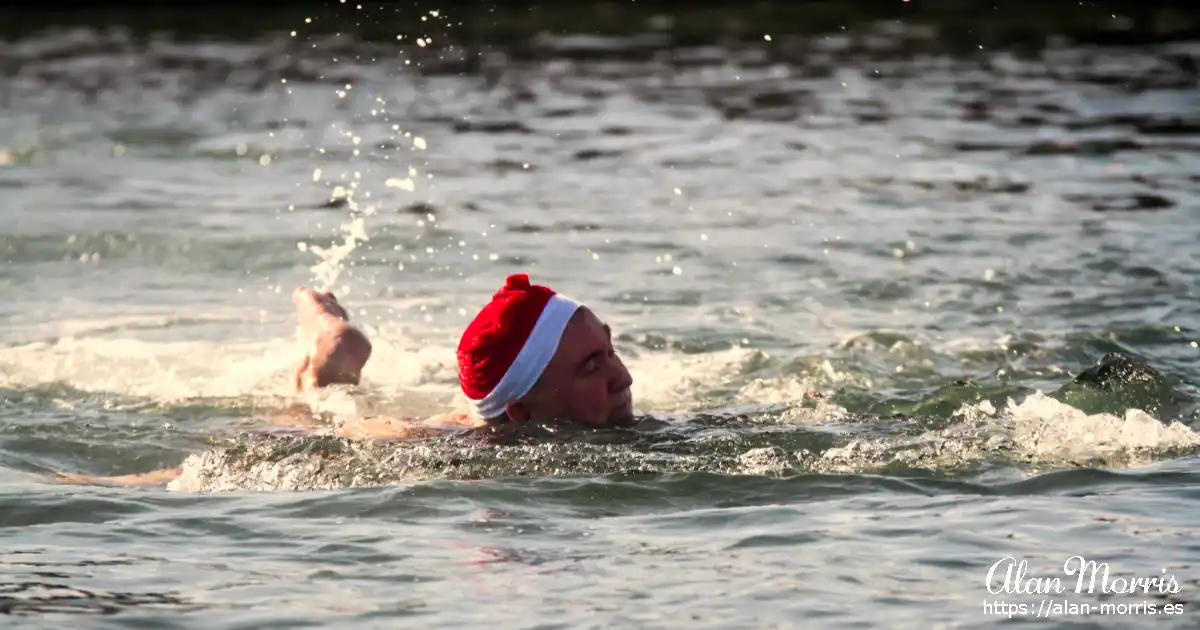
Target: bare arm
<point>376,428</point>
<point>140,479</point>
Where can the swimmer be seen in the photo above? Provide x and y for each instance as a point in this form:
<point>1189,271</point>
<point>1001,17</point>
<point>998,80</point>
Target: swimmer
<point>529,354</point>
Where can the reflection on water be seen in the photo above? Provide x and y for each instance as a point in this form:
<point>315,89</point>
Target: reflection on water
<point>30,585</point>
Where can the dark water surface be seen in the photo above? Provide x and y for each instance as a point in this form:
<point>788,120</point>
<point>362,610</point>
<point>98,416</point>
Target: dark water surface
<point>935,246</point>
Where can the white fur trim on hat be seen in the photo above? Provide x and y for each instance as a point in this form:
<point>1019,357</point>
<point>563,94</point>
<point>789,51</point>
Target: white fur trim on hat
<point>533,358</point>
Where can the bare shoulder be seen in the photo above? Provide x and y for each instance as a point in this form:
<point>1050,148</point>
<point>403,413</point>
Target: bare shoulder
<point>384,427</point>
<point>456,420</point>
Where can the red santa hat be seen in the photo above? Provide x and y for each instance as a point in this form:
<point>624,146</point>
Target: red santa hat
<point>506,347</point>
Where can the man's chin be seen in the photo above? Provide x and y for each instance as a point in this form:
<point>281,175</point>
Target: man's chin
<point>622,417</point>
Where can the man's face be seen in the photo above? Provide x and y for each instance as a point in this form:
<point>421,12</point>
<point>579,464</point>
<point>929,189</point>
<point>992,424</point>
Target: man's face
<point>585,382</point>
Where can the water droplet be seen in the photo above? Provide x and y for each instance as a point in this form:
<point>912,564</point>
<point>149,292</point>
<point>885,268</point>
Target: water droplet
<point>403,184</point>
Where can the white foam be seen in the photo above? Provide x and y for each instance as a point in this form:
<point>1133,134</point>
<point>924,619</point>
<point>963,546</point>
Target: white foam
<point>669,382</point>
<point>156,370</point>
<point>1043,428</point>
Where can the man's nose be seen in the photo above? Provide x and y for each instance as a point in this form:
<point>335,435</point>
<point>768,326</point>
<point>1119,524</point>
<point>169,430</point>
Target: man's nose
<point>621,378</point>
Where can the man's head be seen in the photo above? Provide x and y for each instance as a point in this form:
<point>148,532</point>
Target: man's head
<point>532,354</point>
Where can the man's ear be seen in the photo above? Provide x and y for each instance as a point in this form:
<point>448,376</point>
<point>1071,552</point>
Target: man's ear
<point>517,412</point>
